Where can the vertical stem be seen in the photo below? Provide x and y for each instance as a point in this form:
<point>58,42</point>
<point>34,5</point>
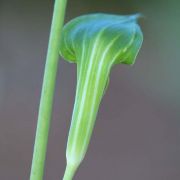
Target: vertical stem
<point>69,172</point>
<point>46,101</point>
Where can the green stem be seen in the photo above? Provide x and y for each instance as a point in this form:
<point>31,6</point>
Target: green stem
<point>70,171</point>
<point>45,109</point>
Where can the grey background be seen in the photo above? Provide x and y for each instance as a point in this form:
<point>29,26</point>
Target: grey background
<point>137,134</point>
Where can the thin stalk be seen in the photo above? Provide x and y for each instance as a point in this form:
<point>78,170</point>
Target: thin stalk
<point>70,171</point>
<point>45,109</point>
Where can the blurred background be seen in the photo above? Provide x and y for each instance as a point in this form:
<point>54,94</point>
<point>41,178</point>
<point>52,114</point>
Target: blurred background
<point>137,133</point>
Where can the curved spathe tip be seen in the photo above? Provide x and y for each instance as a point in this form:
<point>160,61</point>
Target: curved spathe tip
<point>118,35</point>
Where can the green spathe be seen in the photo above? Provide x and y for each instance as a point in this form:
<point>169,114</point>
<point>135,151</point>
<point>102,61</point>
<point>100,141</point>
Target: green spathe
<point>122,32</point>
<point>95,42</point>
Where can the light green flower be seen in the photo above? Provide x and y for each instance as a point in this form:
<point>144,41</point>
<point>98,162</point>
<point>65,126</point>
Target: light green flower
<point>95,43</point>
